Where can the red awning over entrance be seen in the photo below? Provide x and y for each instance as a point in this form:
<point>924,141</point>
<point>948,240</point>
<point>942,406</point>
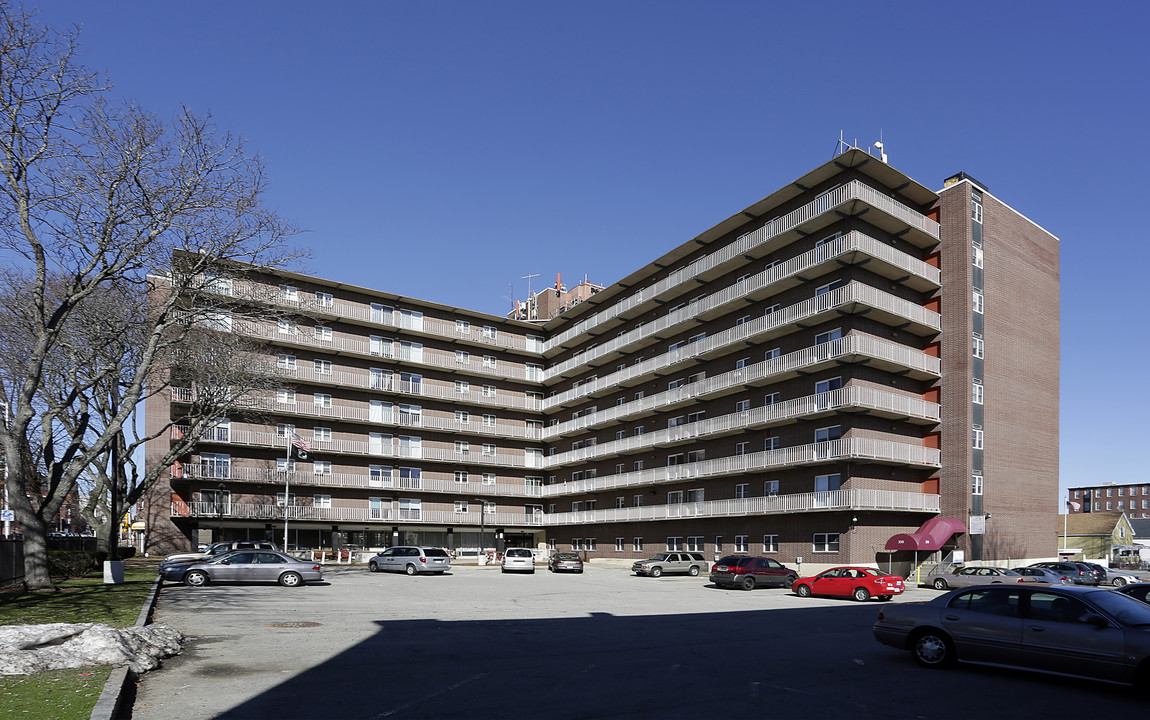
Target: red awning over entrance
<point>929,537</point>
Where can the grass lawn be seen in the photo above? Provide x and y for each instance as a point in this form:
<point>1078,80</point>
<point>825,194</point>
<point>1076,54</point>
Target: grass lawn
<point>70,694</point>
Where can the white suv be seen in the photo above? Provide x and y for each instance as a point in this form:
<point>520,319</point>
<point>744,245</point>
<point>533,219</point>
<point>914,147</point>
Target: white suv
<point>518,560</point>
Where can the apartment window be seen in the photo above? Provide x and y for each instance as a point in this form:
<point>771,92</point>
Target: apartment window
<point>674,543</point>
<point>638,430</point>
<point>289,293</point>
<point>321,467</point>
<point>322,400</point>
<point>977,256</point>
<point>462,387</point>
<point>285,397</point>
<point>638,465</point>
<point>462,417</point>
<point>824,289</point>
<point>828,385</point>
<point>697,338</point>
<point>576,543</point>
<point>322,332</point>
<point>284,431</point>
<point>462,357</point>
<point>638,501</point>
<point>490,332</point>
<point>695,495</point>
<point>489,421</point>
<point>489,361</point>
<point>324,299</point>
<point>620,468</point>
<point>676,459</point>
<point>460,507</point>
<point>1121,492</point>
<point>770,487</point>
<point>489,449</point>
<point>772,353</point>
<point>379,346</point>
<point>826,542</point>
<point>462,327</point>
<point>288,327</point>
<point>285,500</point>
<point>675,497</point>
<point>1109,492</point>
<point>637,544</point>
<point>979,346</point>
<point>741,543</point>
<point>827,434</point>
<point>696,456</point>
<point>1122,505</point>
<point>639,395</point>
<point>676,421</point>
<point>462,446</point>
<point>742,405</point>
<point>620,434</point>
<point>1109,505</point>
<point>742,363</point>
<point>977,393</point>
<point>675,346</point>
<point>743,319</point>
<point>770,399</point>
<point>321,434</point>
<point>461,476</point>
<point>771,443</point>
<point>742,448</point>
<point>976,210</point>
<point>379,475</point>
<point>771,543</point>
<point>285,465</point>
<point>977,439</point>
<point>213,465</point>
<point>488,391</point>
<point>828,336</point>
<point>978,302</point>
<point>551,508</point>
<point>695,543</point>
<point>828,483</point>
<point>976,484</point>
<point>379,379</point>
<point>577,506</point>
<point>742,491</point>
<point>322,367</point>
<point>286,362</point>
<point>488,478</point>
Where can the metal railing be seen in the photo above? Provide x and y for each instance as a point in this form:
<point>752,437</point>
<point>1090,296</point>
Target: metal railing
<point>273,511</point>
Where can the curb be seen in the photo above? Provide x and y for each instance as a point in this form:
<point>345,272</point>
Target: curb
<point>108,706</point>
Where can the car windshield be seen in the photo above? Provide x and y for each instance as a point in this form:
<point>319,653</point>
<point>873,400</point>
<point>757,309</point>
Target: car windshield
<point>734,560</point>
<point>434,552</point>
<point>660,556</point>
<point>566,556</point>
<point>518,553</point>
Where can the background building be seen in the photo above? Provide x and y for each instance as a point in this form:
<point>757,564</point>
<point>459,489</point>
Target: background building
<point>1130,498</point>
<point>833,366</point>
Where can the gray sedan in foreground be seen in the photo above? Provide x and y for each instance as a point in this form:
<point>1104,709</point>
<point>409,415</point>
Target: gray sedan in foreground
<point>245,566</point>
<point>1060,629</point>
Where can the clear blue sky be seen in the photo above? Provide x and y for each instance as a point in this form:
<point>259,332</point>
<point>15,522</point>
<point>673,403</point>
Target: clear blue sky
<point>444,150</point>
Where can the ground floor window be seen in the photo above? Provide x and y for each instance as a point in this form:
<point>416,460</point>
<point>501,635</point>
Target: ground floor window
<point>637,544</point>
<point>576,543</point>
<point>770,543</point>
<point>589,544</point>
<point>674,543</point>
<point>619,544</point>
<point>741,543</point>
<point>695,543</point>
<point>826,542</point>
<point>718,543</point>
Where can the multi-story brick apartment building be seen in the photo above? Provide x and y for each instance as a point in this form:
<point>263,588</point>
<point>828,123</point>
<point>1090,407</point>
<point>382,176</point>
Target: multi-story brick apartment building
<point>1131,498</point>
<point>845,360</point>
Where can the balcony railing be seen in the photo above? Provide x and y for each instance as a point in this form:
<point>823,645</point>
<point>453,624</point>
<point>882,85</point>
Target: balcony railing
<point>804,312</point>
<point>854,190</point>
<point>853,345</point>
<point>270,511</point>
<point>769,505</point>
<point>843,449</point>
<point>862,397</point>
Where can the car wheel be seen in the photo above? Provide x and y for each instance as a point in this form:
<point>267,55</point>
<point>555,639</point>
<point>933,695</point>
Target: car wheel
<point>291,579</point>
<point>862,594</point>
<point>939,584</point>
<point>748,583</point>
<point>1119,582</point>
<point>694,571</point>
<point>410,570</point>
<point>932,649</point>
<point>803,591</point>
<point>656,572</point>
<point>580,571</point>
<point>196,578</point>
<point>373,567</point>
<point>790,581</point>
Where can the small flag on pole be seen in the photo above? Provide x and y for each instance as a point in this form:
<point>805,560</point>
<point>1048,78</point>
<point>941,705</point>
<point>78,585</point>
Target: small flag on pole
<point>300,448</point>
<point>1073,506</point>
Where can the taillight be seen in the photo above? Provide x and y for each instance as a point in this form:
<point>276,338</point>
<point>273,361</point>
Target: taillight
<point>422,560</point>
<point>315,567</point>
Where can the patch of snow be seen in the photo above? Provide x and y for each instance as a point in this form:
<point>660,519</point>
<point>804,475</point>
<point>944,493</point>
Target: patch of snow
<point>26,649</point>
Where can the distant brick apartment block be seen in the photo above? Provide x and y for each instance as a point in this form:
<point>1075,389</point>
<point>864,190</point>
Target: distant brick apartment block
<point>1130,498</point>
<point>839,363</point>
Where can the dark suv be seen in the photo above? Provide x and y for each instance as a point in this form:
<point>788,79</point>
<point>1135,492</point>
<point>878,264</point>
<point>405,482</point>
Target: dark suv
<point>1079,573</point>
<point>750,572</point>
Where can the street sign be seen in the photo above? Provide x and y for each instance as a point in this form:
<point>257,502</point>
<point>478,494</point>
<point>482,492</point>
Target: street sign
<point>7,516</point>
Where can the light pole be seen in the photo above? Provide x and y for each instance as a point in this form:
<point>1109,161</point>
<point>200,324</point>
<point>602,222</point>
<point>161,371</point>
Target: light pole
<point>220,509</point>
<point>482,532</point>
<point>7,509</point>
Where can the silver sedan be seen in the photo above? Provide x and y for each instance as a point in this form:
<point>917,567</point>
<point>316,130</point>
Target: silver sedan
<point>969,576</point>
<point>246,566</point>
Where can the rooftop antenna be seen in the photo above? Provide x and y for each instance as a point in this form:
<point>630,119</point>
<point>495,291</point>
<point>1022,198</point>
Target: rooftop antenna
<point>528,279</point>
<point>881,147</point>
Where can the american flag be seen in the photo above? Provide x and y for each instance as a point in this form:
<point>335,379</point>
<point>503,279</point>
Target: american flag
<point>300,448</point>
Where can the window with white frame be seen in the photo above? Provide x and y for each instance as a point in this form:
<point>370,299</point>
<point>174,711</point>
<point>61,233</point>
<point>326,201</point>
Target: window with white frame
<point>489,361</point>
<point>488,478</point>
<point>676,459</point>
<point>696,456</point>
<point>742,320</point>
<point>695,495</point>
<point>638,501</point>
<point>770,399</point>
<point>379,346</point>
<point>321,501</point>
<point>488,420</point>
<point>771,309</point>
<point>288,327</point>
<point>637,465</point>
<point>675,497</point>
<point>590,544</point>
<point>284,430</point>
<point>490,332</point>
<point>771,443</point>
<point>977,256</point>
<point>379,475</point>
<point>285,465</point>
<point>771,543</point>
<point>637,544</point>
<point>772,353</point>
<point>828,385</point>
<point>620,434</point>
<point>462,387</point>
<point>576,544</point>
<point>827,483</point>
<point>462,357</point>
<point>976,484</point>
<point>979,346</point>
<point>285,397</point>
<point>620,468</point>
<point>322,332</point>
<point>462,327</point>
<point>977,439</point>
<point>826,542</point>
<point>289,293</point>
<point>322,400</point>
<point>620,502</point>
<point>462,417</point>
<point>489,449</point>
<point>321,434</point>
<point>619,544</point>
<point>674,543</point>
<point>977,393</point>
<point>742,448</point>
<point>741,544</point>
<point>285,499</point>
<point>381,314</point>
<point>462,476</point>
<point>828,336</point>
<point>638,430</point>
<point>462,446</point>
<point>488,391</point>
<point>322,467</point>
<point>322,367</point>
<point>324,299</point>
<point>742,491</point>
<point>770,487</point>
<point>742,405</point>
<point>824,289</point>
<point>978,302</point>
<point>460,507</point>
<point>834,432</point>
<point>976,210</point>
<point>695,543</point>
<point>286,362</point>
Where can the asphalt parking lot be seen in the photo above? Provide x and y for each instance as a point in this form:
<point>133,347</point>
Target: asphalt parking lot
<point>605,644</point>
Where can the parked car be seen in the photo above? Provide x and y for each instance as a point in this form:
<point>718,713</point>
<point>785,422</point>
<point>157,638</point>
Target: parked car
<point>1117,578</point>
<point>565,561</point>
<point>974,575</point>
<point>1044,575</point>
<point>690,563</point>
<point>218,548</point>
<point>749,572</point>
<point>518,560</point>
<point>245,566</point>
<point>411,560</point>
<point>861,583</point>
<point>1079,573</point>
<point>1137,590</point>
<point>1064,629</point>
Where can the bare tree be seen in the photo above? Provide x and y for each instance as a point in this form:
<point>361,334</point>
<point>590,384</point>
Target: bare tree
<point>99,198</point>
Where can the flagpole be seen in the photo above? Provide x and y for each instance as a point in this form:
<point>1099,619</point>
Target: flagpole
<point>287,480</point>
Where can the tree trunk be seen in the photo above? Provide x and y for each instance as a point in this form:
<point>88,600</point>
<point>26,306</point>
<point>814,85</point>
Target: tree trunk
<point>36,575</point>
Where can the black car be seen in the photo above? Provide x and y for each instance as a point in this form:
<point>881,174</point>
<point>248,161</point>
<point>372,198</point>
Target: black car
<point>1079,573</point>
<point>1138,591</point>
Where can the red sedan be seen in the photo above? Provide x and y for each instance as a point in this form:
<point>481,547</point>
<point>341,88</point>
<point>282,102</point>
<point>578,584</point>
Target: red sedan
<point>861,583</point>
